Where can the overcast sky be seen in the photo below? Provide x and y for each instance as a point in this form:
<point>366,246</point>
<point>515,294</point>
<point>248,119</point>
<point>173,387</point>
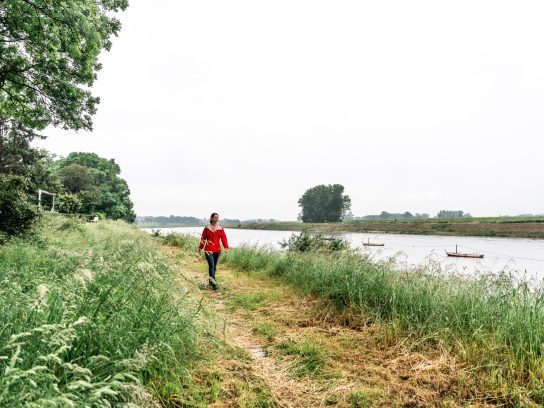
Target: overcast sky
<point>240,106</point>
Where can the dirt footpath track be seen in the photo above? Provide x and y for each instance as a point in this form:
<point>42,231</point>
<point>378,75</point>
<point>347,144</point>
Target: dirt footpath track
<point>289,350</point>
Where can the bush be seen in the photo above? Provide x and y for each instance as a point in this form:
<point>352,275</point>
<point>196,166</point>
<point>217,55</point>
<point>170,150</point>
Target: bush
<point>183,241</point>
<point>497,320</point>
<point>306,242</point>
<point>69,203</point>
<point>17,214</point>
<point>90,317</point>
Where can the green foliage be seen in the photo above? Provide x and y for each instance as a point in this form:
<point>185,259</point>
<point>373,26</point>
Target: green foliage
<point>265,329</point>
<point>76,178</point>
<point>18,157</point>
<point>97,183</point>
<point>69,203</point>
<point>306,242</point>
<point>452,214</point>
<point>384,215</point>
<point>49,59</point>
<point>324,203</point>
<point>497,320</point>
<point>178,221</point>
<point>359,399</point>
<point>17,214</point>
<point>248,301</point>
<point>183,241</point>
<point>311,357</point>
<point>89,317</point>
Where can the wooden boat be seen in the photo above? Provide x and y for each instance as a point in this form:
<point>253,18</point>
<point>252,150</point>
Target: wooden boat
<point>373,243</point>
<point>463,255</point>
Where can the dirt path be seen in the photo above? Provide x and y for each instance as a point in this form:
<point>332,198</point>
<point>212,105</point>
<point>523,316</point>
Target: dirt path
<point>289,350</point>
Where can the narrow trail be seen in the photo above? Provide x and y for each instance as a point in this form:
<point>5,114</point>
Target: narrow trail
<point>289,351</point>
<point>286,391</point>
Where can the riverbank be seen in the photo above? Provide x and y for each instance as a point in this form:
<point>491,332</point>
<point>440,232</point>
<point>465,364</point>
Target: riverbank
<point>103,314</point>
<point>334,329</point>
<point>90,318</point>
<point>511,227</point>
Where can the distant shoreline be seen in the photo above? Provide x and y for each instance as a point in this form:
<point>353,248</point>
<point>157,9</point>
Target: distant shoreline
<point>167,225</point>
<point>491,227</point>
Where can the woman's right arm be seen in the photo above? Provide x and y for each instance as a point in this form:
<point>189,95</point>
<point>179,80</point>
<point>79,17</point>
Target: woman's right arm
<point>202,240</point>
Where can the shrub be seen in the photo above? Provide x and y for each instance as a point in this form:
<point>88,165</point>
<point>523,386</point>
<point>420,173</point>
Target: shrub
<point>69,203</point>
<point>183,241</point>
<point>89,317</point>
<point>496,319</point>
<point>17,214</point>
<point>306,242</point>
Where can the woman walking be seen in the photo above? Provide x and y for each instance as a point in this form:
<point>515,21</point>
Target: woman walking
<point>210,242</point>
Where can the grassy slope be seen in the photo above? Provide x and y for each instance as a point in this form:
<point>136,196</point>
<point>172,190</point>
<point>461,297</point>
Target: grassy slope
<point>492,323</point>
<point>287,348</point>
<point>515,227</point>
<point>343,332</point>
<point>89,317</point>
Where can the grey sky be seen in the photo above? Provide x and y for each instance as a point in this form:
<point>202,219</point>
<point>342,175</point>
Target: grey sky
<point>240,106</point>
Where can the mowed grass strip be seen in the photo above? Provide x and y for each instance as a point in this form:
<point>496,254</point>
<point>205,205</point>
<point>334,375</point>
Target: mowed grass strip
<point>492,321</point>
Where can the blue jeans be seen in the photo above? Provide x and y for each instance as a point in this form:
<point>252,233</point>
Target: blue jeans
<point>212,259</point>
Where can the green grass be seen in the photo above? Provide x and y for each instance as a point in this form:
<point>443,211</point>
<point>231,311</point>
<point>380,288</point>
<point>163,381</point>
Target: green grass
<point>520,226</point>
<point>359,399</point>
<point>90,318</point>
<point>310,356</point>
<point>491,320</point>
<point>248,301</point>
<point>265,329</point>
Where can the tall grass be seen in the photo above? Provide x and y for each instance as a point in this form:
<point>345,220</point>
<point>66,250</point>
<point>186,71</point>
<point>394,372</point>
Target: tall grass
<point>495,320</point>
<point>88,317</point>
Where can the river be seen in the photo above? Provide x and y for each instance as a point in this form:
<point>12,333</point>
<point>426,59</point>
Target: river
<point>519,255</point>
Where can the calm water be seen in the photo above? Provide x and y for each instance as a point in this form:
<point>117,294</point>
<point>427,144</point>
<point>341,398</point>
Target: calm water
<point>525,256</point>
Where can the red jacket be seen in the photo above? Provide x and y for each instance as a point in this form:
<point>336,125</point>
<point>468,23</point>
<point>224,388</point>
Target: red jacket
<point>210,240</point>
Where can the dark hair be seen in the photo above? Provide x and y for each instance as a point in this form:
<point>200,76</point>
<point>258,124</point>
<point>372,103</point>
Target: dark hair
<point>213,215</point>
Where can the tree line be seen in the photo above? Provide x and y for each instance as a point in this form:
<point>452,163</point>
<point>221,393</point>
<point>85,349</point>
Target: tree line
<point>178,221</point>
<point>48,65</point>
<point>328,203</point>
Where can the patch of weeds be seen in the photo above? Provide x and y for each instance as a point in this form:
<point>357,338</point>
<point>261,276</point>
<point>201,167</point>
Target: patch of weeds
<point>265,330</point>
<point>248,301</point>
<point>215,387</point>
<point>311,357</point>
<point>359,399</point>
<point>71,224</point>
<point>333,399</point>
<point>363,398</point>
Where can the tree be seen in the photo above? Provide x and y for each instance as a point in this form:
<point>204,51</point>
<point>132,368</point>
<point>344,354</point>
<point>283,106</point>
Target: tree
<point>76,178</point>
<point>97,183</point>
<point>452,214</point>
<point>324,203</point>
<point>19,158</point>
<point>49,59</point>
<point>16,213</point>
<point>69,203</point>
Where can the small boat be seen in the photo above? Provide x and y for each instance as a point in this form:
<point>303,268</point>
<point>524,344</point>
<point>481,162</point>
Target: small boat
<point>368,243</point>
<point>463,255</point>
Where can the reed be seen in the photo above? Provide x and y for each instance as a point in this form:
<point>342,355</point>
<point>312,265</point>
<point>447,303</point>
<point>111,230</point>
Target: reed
<point>89,317</point>
<point>493,320</point>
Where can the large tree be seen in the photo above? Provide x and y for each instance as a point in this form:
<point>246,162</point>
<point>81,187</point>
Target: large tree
<point>19,158</point>
<point>324,203</point>
<point>48,63</point>
<point>98,184</point>
<point>49,59</point>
